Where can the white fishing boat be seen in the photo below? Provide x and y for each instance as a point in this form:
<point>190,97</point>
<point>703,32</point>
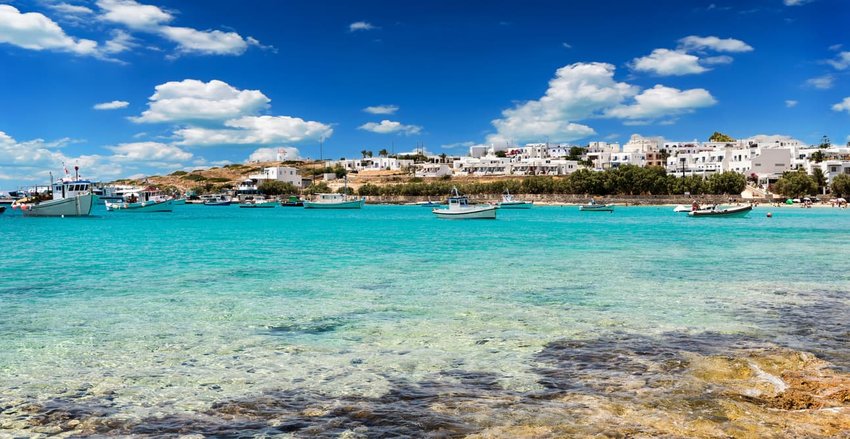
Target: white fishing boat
<point>336,201</point>
<point>144,202</point>
<point>593,206</point>
<point>70,197</point>
<point>459,208</point>
<point>508,202</point>
<point>718,211</point>
<point>258,204</point>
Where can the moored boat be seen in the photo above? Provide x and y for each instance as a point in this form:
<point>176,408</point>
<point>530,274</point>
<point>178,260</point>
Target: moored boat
<point>459,208</point>
<point>593,206</point>
<point>293,201</point>
<point>336,201</point>
<point>717,211</point>
<point>70,197</point>
<point>218,201</point>
<point>682,209</point>
<point>508,202</point>
<point>258,204</point>
<point>147,201</point>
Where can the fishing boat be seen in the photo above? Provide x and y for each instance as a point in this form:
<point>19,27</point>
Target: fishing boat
<point>508,202</point>
<point>147,201</point>
<point>717,211</point>
<point>336,201</point>
<point>459,208</point>
<point>218,201</point>
<point>258,204</point>
<point>70,197</point>
<point>293,201</point>
<point>593,206</point>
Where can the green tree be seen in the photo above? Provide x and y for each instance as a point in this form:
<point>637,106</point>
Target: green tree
<point>795,184</point>
<point>841,185</point>
<point>318,188</point>
<point>575,153</point>
<point>274,188</point>
<point>819,178</point>
<point>363,152</point>
<point>727,183</point>
<point>720,137</point>
<point>339,171</point>
<point>501,154</point>
<point>383,153</point>
<point>817,156</point>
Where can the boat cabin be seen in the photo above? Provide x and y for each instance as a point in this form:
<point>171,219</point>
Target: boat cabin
<point>458,201</point>
<point>331,197</point>
<point>71,188</point>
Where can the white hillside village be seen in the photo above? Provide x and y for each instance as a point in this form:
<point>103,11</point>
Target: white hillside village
<point>762,159</point>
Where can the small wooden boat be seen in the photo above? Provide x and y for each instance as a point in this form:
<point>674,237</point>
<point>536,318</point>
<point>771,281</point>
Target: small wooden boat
<point>459,208</point>
<point>593,206</point>
<point>716,211</point>
<point>293,201</point>
<point>508,202</point>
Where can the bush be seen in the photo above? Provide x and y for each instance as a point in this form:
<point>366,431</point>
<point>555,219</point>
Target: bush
<point>178,173</point>
<point>795,184</point>
<point>841,185</point>
<point>195,177</point>
<point>274,187</point>
<point>318,188</point>
<point>218,179</point>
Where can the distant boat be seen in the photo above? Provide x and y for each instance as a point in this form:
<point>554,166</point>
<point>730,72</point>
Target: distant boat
<point>428,203</point>
<point>179,201</point>
<point>293,201</point>
<point>218,201</point>
<point>459,208</point>
<point>593,206</point>
<point>71,197</point>
<point>258,204</point>
<point>716,211</point>
<point>508,202</point>
<point>682,209</point>
<point>336,201</point>
<point>147,201</point>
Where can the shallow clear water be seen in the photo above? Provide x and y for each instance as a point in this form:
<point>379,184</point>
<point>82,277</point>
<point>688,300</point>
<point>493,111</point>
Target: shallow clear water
<point>168,322</point>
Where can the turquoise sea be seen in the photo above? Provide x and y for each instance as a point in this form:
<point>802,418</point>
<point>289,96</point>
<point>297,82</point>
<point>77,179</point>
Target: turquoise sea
<point>387,322</point>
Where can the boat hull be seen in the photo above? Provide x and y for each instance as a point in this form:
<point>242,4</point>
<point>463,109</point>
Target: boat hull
<point>288,204</point>
<point>472,213</point>
<point>728,212</point>
<point>597,208</point>
<point>268,205</point>
<point>80,205</point>
<point>217,203</point>
<point>353,204</point>
<point>144,207</point>
<point>516,205</point>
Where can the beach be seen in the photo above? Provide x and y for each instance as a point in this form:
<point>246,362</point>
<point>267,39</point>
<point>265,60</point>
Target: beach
<point>387,322</point>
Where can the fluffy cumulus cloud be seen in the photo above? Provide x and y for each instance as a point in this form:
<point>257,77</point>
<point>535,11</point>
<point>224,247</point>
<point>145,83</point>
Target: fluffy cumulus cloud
<point>360,25</point>
<point>149,151</point>
<point>842,106</point>
<point>584,91</point>
<point>841,61</point>
<point>690,57</point>
<point>35,31</point>
<point>194,100</point>
<point>821,82</point>
<point>388,127</point>
<point>31,162</point>
<point>661,101</point>
<point>133,14</point>
<point>274,154</point>
<point>212,42</point>
<point>695,43</point>
<point>113,105</point>
<point>255,130</point>
<point>381,109</point>
<point>667,62</point>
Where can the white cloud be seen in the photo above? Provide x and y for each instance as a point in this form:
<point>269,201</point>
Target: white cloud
<point>389,126</point>
<point>133,14</point>
<point>586,91</point>
<point>147,152</point>
<point>795,2</point>
<point>567,45</point>
<point>822,82</point>
<point>121,41</point>
<point>790,103</point>
<point>841,61</point>
<point>211,42</point>
<point>381,109</point>
<point>667,62</point>
<point>661,101</point>
<point>69,9</point>
<point>695,43</point>
<point>272,154</point>
<point>578,91</point>
<point>360,25</point>
<point>253,130</point>
<point>194,100</point>
<point>114,105</point>
<point>458,145</point>
<point>36,31</point>
<point>842,106</point>
<point>32,161</point>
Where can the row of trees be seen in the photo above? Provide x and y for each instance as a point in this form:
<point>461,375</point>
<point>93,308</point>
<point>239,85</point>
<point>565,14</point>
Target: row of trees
<point>798,183</point>
<point>625,180</point>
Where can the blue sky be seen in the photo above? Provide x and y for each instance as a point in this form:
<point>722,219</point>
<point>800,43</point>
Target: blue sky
<point>193,84</point>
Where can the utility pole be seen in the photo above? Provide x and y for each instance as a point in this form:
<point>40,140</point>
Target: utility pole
<point>321,144</point>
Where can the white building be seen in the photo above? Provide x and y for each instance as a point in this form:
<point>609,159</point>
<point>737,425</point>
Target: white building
<point>285,174</point>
